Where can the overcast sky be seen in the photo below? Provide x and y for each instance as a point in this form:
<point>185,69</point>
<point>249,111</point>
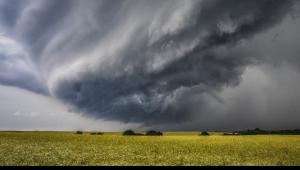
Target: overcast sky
<point>162,64</point>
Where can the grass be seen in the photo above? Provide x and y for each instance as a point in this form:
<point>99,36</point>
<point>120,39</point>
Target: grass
<point>62,148</point>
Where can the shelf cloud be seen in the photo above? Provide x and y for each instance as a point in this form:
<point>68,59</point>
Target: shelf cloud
<point>139,61</point>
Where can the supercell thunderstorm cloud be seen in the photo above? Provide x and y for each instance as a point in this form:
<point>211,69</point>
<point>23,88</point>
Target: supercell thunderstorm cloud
<point>158,62</point>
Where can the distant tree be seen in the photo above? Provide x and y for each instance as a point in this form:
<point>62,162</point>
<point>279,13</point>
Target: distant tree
<point>204,133</point>
<point>153,133</point>
<point>97,133</point>
<point>129,133</point>
<point>258,130</point>
<point>79,132</point>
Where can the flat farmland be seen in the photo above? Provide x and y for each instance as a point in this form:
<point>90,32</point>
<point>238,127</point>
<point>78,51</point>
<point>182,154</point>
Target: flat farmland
<point>172,149</point>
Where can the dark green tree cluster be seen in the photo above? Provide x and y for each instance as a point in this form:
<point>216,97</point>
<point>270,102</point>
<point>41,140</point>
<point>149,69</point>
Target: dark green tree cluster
<point>148,133</point>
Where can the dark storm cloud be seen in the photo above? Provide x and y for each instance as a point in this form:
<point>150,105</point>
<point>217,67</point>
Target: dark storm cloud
<point>12,74</point>
<point>16,69</point>
<point>40,21</point>
<point>143,96</point>
<point>10,11</point>
<point>141,61</point>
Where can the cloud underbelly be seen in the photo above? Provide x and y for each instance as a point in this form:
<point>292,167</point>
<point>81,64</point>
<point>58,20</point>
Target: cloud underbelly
<point>141,79</point>
<point>122,61</point>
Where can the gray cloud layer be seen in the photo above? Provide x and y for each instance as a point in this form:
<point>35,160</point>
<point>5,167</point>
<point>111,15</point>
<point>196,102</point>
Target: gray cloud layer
<point>151,62</point>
